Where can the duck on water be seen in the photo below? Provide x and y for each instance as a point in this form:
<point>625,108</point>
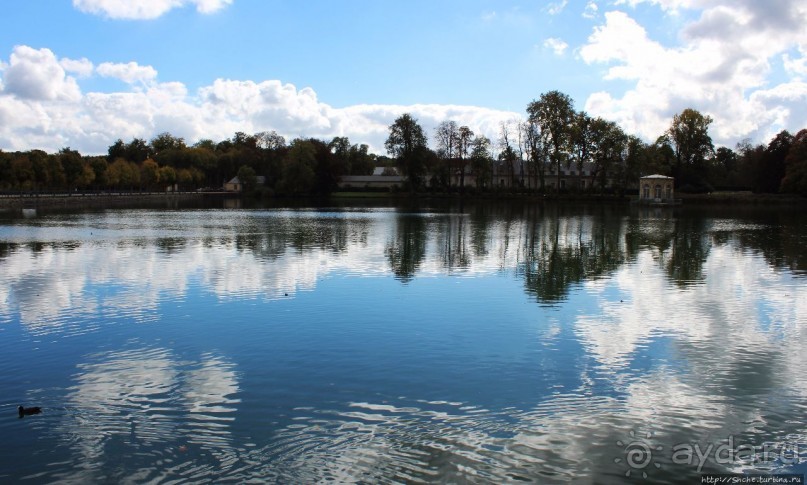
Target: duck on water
<point>29,411</point>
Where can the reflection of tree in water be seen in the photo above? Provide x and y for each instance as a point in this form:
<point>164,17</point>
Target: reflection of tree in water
<point>170,245</point>
<point>560,251</point>
<point>271,239</point>
<point>452,242</point>
<point>681,244</point>
<point>480,221</point>
<point>7,248</point>
<point>408,247</point>
<point>781,238</point>
<point>690,247</point>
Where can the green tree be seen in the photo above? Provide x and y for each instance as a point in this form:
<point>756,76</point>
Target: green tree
<point>22,172</point>
<point>87,174</point>
<point>115,172</point>
<point>535,148</point>
<point>72,165</point>
<point>298,168</point>
<point>582,142</point>
<point>116,150</point>
<point>340,149</point>
<point>99,167</point>
<point>408,144</point>
<point>637,159</point>
<point>137,150</point>
<point>270,140</point>
<point>446,136</point>
<point>361,161</point>
<point>608,145</point>
<point>205,144</point>
<point>167,176</point>
<point>689,136</point>
<point>149,173</point>
<point>508,156</point>
<point>247,177</point>
<point>795,180</point>
<point>554,113</point>
<point>465,139</point>
<point>5,171</point>
<point>482,161</point>
<point>771,170</point>
<point>186,178</point>
<point>725,167</point>
<point>39,163</point>
<point>166,141</point>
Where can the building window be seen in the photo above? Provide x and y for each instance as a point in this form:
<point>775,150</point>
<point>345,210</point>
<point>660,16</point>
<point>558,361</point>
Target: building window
<point>646,191</point>
<point>658,192</point>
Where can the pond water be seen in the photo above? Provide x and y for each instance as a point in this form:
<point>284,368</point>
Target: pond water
<point>462,344</point>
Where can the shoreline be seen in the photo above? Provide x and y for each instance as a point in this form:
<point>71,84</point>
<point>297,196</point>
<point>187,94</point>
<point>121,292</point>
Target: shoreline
<point>92,200</point>
<point>172,199</point>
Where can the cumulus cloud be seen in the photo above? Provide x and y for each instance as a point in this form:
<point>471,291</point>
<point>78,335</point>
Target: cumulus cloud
<point>80,67</point>
<point>35,74</point>
<point>50,111</point>
<point>558,46</point>
<point>130,72</point>
<point>722,67</point>
<point>144,9</point>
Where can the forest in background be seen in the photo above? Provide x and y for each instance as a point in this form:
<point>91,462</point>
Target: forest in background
<point>532,152</point>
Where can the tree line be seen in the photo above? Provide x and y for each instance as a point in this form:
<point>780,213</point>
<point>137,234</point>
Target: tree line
<point>301,167</point>
<point>533,155</point>
<point>554,141</point>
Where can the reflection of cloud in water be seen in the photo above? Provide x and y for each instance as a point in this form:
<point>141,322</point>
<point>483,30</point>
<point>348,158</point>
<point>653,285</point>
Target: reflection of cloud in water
<point>136,274</point>
<point>146,403</point>
<point>742,296</point>
<point>567,437</point>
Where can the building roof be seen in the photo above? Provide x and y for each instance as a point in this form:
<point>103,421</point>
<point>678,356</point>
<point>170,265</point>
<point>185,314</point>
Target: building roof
<point>373,178</point>
<point>259,179</point>
<point>657,176</point>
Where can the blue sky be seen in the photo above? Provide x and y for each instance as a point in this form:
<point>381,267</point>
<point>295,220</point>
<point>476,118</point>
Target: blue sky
<point>82,73</point>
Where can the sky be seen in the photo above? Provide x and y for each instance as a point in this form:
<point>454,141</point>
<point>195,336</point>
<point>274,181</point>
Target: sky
<point>84,73</point>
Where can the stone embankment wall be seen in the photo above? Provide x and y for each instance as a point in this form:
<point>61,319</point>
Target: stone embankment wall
<point>108,199</point>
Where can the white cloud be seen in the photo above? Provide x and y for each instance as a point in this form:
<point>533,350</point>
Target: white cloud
<point>35,74</point>
<point>796,66</point>
<point>144,9</point>
<point>130,72</point>
<point>672,6</point>
<point>558,46</point>
<point>556,8</point>
<point>722,67</point>
<point>49,111</point>
<point>80,67</point>
<point>591,10</point>
<point>210,6</point>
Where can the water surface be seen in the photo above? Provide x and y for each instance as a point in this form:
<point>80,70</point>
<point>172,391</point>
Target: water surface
<point>482,343</point>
